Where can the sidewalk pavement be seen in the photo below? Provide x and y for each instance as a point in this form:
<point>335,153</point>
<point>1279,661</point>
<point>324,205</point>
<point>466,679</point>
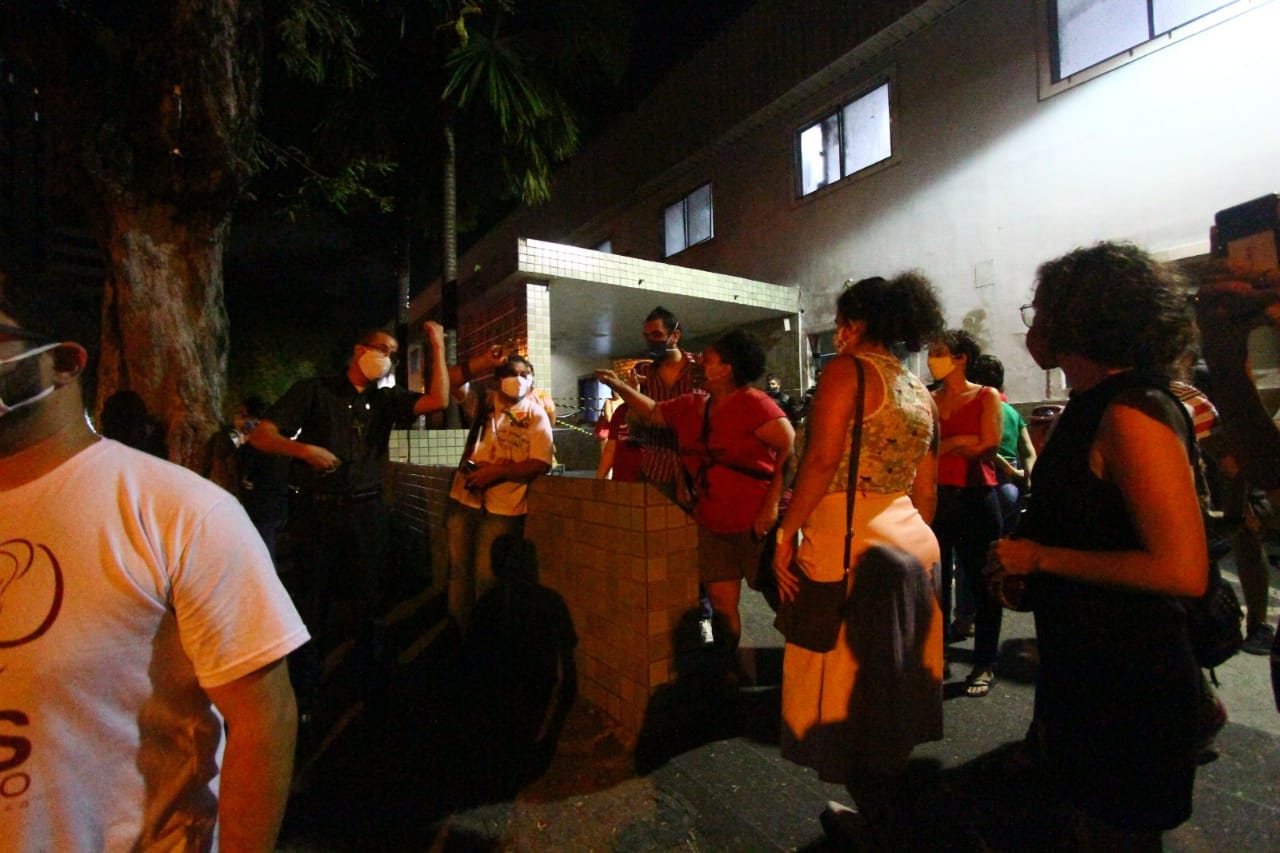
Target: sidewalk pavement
<point>425,768</point>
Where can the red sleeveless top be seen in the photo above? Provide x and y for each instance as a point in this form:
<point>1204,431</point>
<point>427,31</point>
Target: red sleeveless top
<point>956,470</point>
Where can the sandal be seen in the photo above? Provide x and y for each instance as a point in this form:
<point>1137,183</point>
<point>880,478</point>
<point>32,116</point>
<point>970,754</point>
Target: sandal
<point>979,683</point>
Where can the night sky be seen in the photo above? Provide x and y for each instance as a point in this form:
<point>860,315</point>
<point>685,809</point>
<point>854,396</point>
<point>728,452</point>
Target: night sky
<point>298,290</point>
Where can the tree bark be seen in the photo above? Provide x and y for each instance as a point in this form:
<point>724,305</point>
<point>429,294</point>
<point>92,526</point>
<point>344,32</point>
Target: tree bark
<point>449,231</point>
<point>153,108</point>
<point>164,322</point>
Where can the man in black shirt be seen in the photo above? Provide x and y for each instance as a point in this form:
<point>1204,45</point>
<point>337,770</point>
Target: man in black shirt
<point>339,427</point>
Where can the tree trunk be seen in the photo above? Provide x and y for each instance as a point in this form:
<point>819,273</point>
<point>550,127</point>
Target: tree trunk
<point>449,262</point>
<point>449,232</point>
<point>153,112</point>
<point>164,324</point>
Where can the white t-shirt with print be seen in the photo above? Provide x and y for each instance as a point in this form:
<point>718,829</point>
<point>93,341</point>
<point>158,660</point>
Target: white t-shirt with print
<point>509,434</point>
<point>127,586</point>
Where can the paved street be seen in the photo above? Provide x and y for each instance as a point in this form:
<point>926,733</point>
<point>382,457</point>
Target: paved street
<point>420,769</point>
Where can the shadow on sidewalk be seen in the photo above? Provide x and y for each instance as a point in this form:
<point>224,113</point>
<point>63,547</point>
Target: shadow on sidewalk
<point>462,725</point>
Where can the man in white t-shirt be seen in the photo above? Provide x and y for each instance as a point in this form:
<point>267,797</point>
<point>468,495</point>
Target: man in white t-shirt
<point>139,613</point>
<point>510,445</point>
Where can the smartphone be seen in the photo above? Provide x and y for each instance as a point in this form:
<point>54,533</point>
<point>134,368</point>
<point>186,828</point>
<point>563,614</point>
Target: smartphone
<point>1249,232</point>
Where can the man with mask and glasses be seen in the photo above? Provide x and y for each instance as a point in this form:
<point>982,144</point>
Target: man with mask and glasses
<point>510,444</point>
<point>672,372</point>
<point>338,428</point>
<point>141,623</point>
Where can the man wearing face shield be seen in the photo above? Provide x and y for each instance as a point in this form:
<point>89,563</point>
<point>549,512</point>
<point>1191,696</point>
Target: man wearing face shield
<point>510,444</point>
<point>337,428</point>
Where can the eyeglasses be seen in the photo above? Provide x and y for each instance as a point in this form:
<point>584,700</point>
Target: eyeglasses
<point>385,350</point>
<point>22,334</point>
<point>1028,314</point>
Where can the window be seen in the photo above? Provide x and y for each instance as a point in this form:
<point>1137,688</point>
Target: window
<point>845,142</point>
<point>606,247</point>
<point>689,221</point>
<point>1087,33</point>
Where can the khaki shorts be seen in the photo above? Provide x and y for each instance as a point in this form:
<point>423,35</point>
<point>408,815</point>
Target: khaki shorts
<point>728,556</point>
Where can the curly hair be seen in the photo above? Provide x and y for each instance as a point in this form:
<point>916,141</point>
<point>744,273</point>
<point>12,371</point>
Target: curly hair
<point>1116,305</point>
<point>741,352</point>
<point>900,310</point>
<point>960,343</point>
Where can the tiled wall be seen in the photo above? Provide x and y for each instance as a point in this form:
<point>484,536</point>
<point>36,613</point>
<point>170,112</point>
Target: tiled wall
<point>497,318</point>
<point>555,259</point>
<point>538,331</point>
<point>621,554</point>
<point>418,503</point>
<point>625,560</point>
<point>428,447</point>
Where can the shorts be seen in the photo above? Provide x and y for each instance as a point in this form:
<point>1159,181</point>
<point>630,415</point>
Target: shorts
<point>728,556</point>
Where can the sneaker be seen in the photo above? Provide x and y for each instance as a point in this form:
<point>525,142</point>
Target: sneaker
<point>1259,639</point>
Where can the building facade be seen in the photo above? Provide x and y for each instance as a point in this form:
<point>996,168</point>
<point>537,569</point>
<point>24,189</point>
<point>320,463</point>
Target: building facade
<point>816,141</point>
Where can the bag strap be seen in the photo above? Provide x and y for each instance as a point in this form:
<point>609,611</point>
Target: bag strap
<point>477,427</point>
<point>855,451</point>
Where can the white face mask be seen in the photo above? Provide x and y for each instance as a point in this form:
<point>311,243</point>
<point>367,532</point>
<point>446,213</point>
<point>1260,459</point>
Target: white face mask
<point>515,387</point>
<point>374,365</point>
<point>6,408</point>
<point>941,367</point>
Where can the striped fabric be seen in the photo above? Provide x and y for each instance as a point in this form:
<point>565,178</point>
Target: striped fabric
<point>659,456</point>
<point>1204,417</point>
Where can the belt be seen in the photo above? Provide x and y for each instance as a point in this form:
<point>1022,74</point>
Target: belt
<point>341,499</point>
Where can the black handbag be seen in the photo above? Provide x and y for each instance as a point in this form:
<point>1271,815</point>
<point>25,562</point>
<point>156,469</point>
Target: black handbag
<point>812,619</point>
<point>1213,621</point>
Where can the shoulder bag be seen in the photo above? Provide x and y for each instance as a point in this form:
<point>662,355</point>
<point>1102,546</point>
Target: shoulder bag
<point>811,620</point>
<point>1213,619</point>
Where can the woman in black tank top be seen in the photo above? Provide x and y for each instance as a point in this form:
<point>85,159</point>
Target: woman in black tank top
<point>1112,535</point>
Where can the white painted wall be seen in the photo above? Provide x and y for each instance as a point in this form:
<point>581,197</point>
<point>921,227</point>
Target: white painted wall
<point>986,175</point>
<point>987,172</point>
<point>1147,153</point>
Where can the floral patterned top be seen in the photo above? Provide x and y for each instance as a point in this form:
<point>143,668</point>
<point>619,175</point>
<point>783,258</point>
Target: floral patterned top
<point>894,437</point>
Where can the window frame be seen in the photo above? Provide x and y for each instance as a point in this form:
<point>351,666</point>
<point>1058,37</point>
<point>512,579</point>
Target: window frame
<point>1047,53</point>
<point>837,110</point>
<point>683,203</point>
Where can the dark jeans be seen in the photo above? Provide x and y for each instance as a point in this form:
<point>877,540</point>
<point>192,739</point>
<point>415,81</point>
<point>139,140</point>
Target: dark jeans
<point>342,548</point>
<point>966,523</point>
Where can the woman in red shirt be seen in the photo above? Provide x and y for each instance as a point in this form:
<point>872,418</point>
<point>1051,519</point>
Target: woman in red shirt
<point>968,517</point>
<point>734,442</point>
